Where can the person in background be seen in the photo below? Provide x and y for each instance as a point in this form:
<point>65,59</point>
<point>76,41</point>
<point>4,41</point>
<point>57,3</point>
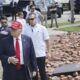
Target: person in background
<point>20,18</point>
<point>44,10</point>
<point>17,55</point>
<point>39,16</point>
<point>4,29</point>
<point>1,8</point>
<point>40,38</point>
<point>27,8</point>
<point>53,12</point>
<point>13,6</point>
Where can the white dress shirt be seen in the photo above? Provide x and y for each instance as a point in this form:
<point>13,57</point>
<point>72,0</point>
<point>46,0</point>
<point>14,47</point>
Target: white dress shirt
<point>38,34</point>
<point>21,49</point>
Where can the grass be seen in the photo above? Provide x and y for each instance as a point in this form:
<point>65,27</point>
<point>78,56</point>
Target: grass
<point>68,23</point>
<point>65,23</point>
<point>70,29</point>
<point>60,24</point>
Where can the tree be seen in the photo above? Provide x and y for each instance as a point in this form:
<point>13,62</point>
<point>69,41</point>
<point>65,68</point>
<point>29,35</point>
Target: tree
<point>72,10</point>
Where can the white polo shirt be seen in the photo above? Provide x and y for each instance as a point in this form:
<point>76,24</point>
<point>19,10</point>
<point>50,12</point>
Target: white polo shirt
<point>38,34</point>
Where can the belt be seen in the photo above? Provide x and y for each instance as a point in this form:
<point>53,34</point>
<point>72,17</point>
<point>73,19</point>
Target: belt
<point>22,66</point>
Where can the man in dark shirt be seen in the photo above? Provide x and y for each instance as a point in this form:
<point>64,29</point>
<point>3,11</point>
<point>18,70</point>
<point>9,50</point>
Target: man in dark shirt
<point>4,29</point>
<point>53,11</point>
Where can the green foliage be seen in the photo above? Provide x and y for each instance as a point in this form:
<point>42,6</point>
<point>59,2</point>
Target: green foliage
<point>70,29</point>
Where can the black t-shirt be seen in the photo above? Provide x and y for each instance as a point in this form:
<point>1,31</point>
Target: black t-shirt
<point>5,30</point>
<point>52,9</point>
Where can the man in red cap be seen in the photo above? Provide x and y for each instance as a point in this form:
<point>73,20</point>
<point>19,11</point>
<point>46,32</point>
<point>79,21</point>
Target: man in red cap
<point>17,55</point>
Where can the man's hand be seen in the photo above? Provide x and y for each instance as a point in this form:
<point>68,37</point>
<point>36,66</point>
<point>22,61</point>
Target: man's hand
<point>34,73</point>
<point>13,60</point>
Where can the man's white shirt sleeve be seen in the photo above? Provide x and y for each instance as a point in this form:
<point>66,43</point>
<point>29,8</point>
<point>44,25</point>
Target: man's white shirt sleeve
<point>45,34</point>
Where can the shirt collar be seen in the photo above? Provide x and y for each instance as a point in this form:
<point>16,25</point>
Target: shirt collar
<point>19,37</point>
<point>34,26</point>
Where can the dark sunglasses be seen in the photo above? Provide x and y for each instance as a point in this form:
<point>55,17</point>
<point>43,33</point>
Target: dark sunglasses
<point>31,18</point>
<point>3,22</point>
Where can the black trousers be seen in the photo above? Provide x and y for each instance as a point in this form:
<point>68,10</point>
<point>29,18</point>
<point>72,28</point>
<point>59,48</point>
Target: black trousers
<point>13,13</point>
<point>41,67</point>
<point>21,74</point>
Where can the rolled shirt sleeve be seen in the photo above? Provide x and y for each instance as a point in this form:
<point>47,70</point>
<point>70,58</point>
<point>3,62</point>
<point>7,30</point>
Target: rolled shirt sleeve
<point>45,34</point>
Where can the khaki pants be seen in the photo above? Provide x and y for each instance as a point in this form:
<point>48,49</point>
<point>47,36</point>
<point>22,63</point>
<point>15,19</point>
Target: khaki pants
<point>54,17</point>
<point>45,18</point>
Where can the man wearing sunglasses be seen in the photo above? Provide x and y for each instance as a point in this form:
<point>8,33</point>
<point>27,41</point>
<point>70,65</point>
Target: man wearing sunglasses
<point>4,29</point>
<point>38,16</point>
<point>40,38</point>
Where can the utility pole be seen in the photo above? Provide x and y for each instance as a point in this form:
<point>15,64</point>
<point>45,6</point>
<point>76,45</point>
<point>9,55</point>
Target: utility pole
<point>72,11</point>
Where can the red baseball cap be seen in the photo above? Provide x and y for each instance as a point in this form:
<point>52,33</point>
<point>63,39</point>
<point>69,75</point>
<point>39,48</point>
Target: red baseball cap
<point>16,25</point>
